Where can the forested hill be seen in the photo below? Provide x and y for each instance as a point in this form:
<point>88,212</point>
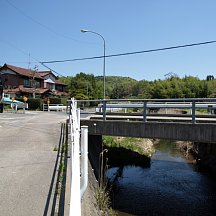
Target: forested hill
<point>88,86</point>
<point>114,79</point>
<point>117,86</point>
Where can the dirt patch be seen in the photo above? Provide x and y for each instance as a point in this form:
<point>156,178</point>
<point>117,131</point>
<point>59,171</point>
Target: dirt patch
<point>187,149</point>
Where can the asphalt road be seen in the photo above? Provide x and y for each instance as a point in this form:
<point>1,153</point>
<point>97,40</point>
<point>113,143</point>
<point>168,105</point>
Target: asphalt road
<point>27,161</point>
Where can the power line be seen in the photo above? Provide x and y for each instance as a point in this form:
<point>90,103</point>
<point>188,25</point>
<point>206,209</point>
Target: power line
<point>35,60</point>
<point>51,69</point>
<point>131,53</point>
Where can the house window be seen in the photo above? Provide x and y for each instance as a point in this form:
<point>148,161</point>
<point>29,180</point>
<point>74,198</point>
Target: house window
<point>26,83</point>
<point>31,83</point>
<point>38,85</point>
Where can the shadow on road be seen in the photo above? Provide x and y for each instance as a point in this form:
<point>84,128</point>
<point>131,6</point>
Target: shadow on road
<point>56,204</point>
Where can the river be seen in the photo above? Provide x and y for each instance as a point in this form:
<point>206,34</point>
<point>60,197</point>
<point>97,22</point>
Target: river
<point>170,186</point>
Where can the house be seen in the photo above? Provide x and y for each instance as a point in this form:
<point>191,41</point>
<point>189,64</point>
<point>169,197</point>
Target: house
<point>19,81</point>
<point>51,81</point>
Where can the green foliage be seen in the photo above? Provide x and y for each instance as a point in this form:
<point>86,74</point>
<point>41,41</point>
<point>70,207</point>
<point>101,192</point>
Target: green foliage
<point>64,101</point>
<point>55,100</point>
<point>102,193</point>
<point>129,143</point>
<point>103,198</point>
<point>118,87</point>
<point>82,86</point>
<point>34,103</point>
<point>87,86</point>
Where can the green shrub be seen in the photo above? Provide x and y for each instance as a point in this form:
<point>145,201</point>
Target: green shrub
<point>64,101</point>
<point>34,103</point>
<point>55,100</point>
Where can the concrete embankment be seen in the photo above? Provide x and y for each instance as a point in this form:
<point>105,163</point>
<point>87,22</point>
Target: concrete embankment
<point>89,203</point>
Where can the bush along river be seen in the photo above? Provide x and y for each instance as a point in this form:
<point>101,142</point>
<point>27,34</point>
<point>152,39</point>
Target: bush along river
<point>166,184</point>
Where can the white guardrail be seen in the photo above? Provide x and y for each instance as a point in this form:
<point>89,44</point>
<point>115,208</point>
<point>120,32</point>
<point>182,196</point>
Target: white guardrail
<point>105,106</point>
<point>54,107</point>
<point>79,162</point>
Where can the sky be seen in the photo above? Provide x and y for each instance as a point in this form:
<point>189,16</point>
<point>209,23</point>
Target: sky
<point>46,30</point>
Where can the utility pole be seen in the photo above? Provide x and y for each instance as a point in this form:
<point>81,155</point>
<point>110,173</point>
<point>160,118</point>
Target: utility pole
<point>1,96</point>
<point>33,80</point>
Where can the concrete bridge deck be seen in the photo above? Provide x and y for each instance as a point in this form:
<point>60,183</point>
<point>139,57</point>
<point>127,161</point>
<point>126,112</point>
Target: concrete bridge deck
<point>190,126</point>
<point>201,132</point>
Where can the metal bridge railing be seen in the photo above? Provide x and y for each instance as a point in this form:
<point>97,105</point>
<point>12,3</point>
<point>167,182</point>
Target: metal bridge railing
<point>145,104</point>
<point>79,159</point>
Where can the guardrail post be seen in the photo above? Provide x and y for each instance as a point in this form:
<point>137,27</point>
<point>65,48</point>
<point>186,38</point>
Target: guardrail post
<point>84,159</point>
<point>104,110</point>
<point>193,112</point>
<point>78,116</point>
<point>75,203</point>
<point>145,111</point>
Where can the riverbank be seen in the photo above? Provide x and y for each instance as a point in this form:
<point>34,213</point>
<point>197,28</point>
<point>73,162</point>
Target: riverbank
<point>201,155</point>
<point>139,145</point>
<point>123,151</point>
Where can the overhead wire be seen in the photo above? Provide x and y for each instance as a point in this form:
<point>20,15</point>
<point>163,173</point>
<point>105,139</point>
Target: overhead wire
<point>131,53</point>
<point>35,59</point>
<point>95,57</point>
<point>43,63</point>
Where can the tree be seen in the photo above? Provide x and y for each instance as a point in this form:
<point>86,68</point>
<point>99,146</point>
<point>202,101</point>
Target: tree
<point>210,77</point>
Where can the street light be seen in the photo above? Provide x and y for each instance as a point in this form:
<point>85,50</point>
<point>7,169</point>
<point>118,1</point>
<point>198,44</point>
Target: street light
<point>104,54</point>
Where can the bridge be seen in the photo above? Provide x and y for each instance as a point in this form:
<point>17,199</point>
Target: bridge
<point>174,119</point>
<point>109,117</point>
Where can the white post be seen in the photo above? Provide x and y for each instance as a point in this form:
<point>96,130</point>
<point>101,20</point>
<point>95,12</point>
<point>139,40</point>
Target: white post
<point>12,107</point>
<point>75,199</point>
<point>84,159</point>
<point>78,117</point>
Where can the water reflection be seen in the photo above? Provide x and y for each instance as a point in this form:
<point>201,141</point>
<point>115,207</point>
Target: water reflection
<point>169,186</point>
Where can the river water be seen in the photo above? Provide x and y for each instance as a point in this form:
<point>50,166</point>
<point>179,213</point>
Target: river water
<point>170,186</point>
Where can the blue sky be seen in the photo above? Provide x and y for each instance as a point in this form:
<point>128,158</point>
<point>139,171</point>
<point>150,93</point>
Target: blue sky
<point>50,30</point>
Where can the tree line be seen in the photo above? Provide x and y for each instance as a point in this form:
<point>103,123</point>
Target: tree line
<point>87,86</point>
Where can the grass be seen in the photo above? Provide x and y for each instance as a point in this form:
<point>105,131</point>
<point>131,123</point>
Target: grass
<point>55,149</point>
<point>102,194</point>
<point>130,143</point>
<point>202,111</point>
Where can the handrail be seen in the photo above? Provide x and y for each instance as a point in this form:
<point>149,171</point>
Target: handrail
<point>152,100</point>
<point>77,169</point>
<point>54,107</point>
<point>182,103</point>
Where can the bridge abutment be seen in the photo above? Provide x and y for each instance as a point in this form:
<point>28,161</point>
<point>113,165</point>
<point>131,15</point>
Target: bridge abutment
<point>95,148</point>
<point>206,156</point>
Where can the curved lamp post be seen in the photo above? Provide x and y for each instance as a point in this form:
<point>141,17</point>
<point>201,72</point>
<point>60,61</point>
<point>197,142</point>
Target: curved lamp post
<point>104,54</point>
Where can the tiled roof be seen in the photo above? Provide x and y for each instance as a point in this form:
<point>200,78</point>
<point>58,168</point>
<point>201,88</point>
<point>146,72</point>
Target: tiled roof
<point>26,90</point>
<point>30,73</point>
<point>23,71</point>
<point>44,73</point>
<point>57,82</point>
